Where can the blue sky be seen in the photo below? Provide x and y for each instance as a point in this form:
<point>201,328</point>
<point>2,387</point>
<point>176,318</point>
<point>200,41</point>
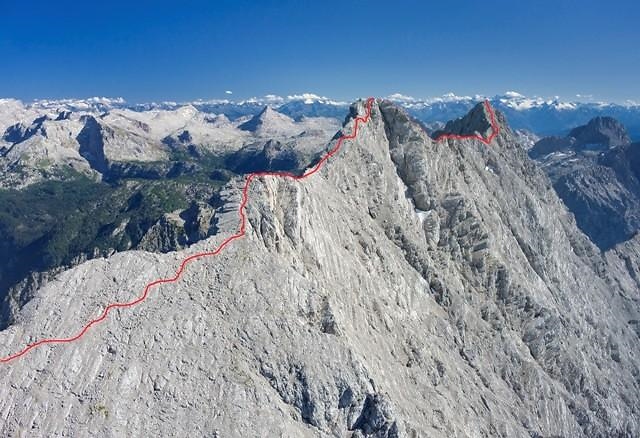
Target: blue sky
<point>168,50</point>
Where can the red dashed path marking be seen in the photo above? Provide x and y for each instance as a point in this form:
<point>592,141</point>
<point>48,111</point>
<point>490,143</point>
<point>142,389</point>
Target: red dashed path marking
<point>243,223</point>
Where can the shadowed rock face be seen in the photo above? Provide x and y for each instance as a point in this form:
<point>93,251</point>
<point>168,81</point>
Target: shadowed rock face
<point>595,172</point>
<point>20,132</point>
<point>91,144</point>
<point>548,145</point>
<point>272,155</point>
<point>605,131</point>
<point>409,288</point>
<point>601,133</point>
<point>604,196</point>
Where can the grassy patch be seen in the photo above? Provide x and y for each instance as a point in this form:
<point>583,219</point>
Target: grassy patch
<point>99,409</point>
<point>50,224</point>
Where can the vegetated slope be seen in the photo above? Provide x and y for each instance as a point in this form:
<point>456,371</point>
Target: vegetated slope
<point>596,172</point>
<point>410,288</point>
<point>53,225</point>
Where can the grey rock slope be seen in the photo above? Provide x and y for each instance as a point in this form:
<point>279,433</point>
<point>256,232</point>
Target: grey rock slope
<point>596,170</point>
<point>410,288</point>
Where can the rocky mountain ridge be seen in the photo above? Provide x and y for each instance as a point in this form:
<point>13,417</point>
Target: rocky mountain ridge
<point>410,288</point>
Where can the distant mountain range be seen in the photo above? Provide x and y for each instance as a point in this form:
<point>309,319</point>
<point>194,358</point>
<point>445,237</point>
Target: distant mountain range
<point>537,115</point>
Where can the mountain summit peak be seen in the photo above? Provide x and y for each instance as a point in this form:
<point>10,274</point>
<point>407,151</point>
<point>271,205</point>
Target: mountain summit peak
<point>477,121</point>
<point>599,134</point>
<point>601,130</point>
<point>267,119</point>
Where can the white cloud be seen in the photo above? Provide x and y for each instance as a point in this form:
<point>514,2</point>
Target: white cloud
<point>228,92</point>
<point>398,97</point>
<point>310,98</point>
<point>273,98</point>
<point>306,97</point>
<point>448,97</point>
<point>513,94</point>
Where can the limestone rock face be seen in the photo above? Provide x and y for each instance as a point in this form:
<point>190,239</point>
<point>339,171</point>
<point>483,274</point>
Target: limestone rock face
<point>409,288</point>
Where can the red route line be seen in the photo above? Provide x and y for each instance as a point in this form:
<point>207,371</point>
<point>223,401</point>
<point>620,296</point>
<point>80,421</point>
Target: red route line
<point>243,223</point>
<point>495,128</point>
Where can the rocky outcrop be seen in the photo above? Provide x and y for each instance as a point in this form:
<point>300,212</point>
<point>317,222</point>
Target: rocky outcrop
<point>91,144</point>
<point>179,229</point>
<point>409,288</point>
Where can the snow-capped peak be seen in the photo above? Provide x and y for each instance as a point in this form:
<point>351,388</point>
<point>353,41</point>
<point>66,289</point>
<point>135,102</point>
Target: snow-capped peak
<point>89,104</point>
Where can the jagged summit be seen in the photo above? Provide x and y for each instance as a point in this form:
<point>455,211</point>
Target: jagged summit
<point>476,121</point>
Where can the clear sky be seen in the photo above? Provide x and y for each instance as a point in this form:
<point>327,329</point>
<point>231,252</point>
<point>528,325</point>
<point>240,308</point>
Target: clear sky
<point>184,50</point>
